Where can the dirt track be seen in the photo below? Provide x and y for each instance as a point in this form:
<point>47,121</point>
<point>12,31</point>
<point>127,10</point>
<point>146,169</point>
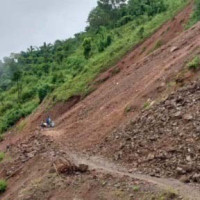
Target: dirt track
<point>186,191</point>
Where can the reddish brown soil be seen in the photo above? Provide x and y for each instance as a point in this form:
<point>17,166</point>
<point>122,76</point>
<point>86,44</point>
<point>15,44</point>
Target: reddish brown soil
<point>31,176</point>
<point>141,78</point>
<point>86,123</point>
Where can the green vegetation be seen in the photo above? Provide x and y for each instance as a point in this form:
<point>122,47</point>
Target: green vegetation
<point>158,44</point>
<point>136,188</point>
<point>195,17</point>
<point>2,155</point>
<point>3,186</point>
<point>61,70</point>
<point>168,195</point>
<point>128,109</point>
<point>1,138</point>
<point>194,64</point>
<point>147,105</point>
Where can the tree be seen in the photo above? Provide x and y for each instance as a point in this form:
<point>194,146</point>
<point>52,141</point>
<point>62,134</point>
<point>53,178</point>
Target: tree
<point>110,4</point>
<point>87,47</point>
<point>106,13</point>
<point>149,7</point>
<point>140,32</point>
<point>98,17</point>
<point>1,97</point>
<point>43,91</point>
<point>16,78</point>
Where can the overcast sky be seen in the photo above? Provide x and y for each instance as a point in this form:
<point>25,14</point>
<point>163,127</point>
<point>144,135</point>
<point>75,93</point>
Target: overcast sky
<point>32,22</point>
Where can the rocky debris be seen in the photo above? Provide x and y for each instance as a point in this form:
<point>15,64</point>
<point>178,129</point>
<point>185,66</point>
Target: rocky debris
<point>83,168</point>
<point>23,151</point>
<point>38,145</point>
<point>64,166</point>
<point>173,49</point>
<point>165,140</point>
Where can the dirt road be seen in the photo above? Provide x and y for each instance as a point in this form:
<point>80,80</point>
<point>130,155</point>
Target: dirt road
<point>100,164</point>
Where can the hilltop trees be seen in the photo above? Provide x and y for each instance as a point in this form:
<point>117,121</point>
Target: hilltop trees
<point>109,12</point>
<point>148,7</point>
<point>106,13</point>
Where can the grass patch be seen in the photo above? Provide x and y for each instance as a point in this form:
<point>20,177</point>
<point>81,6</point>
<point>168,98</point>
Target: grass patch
<point>168,195</point>
<point>2,155</point>
<point>194,64</point>
<point>3,186</point>
<point>128,109</point>
<point>158,44</point>
<point>195,17</point>
<point>1,138</point>
<point>147,105</point>
<point>136,188</point>
<point>21,125</point>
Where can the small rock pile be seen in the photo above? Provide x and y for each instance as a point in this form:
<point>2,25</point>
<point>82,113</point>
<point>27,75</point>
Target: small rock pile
<point>23,151</point>
<point>32,146</point>
<point>165,140</point>
<point>64,166</point>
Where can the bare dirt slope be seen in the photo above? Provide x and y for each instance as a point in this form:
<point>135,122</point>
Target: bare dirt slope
<point>164,140</point>
<point>90,120</point>
<point>140,76</point>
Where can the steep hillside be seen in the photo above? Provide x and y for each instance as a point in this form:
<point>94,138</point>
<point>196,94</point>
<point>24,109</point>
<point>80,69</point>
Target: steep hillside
<point>56,72</point>
<point>128,139</point>
<point>122,96</point>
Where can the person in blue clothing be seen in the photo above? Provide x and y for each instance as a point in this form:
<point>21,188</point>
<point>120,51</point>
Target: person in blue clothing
<point>48,121</point>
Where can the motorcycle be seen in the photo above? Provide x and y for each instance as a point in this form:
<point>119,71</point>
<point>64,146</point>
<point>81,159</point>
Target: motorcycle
<point>45,125</point>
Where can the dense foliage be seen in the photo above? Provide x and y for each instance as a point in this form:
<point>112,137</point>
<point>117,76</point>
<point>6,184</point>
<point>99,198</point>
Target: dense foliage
<point>196,14</point>
<point>3,186</point>
<point>112,13</point>
<point>65,68</point>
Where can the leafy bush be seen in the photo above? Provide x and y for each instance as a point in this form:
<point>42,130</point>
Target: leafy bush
<point>58,78</point>
<point>195,17</point>
<point>43,91</point>
<point>28,94</point>
<point>2,155</point>
<point>87,46</point>
<point>11,117</point>
<point>104,43</point>
<point>140,32</point>
<point>194,64</point>
<point>1,138</point>
<point>6,106</point>
<point>3,186</point>
<point>75,64</point>
<point>124,20</point>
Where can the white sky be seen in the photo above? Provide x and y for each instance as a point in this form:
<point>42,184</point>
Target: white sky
<point>32,22</point>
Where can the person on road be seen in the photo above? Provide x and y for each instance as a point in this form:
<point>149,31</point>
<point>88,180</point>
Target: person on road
<point>48,121</point>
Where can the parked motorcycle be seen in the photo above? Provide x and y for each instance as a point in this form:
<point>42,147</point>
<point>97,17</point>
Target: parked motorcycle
<point>45,125</point>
